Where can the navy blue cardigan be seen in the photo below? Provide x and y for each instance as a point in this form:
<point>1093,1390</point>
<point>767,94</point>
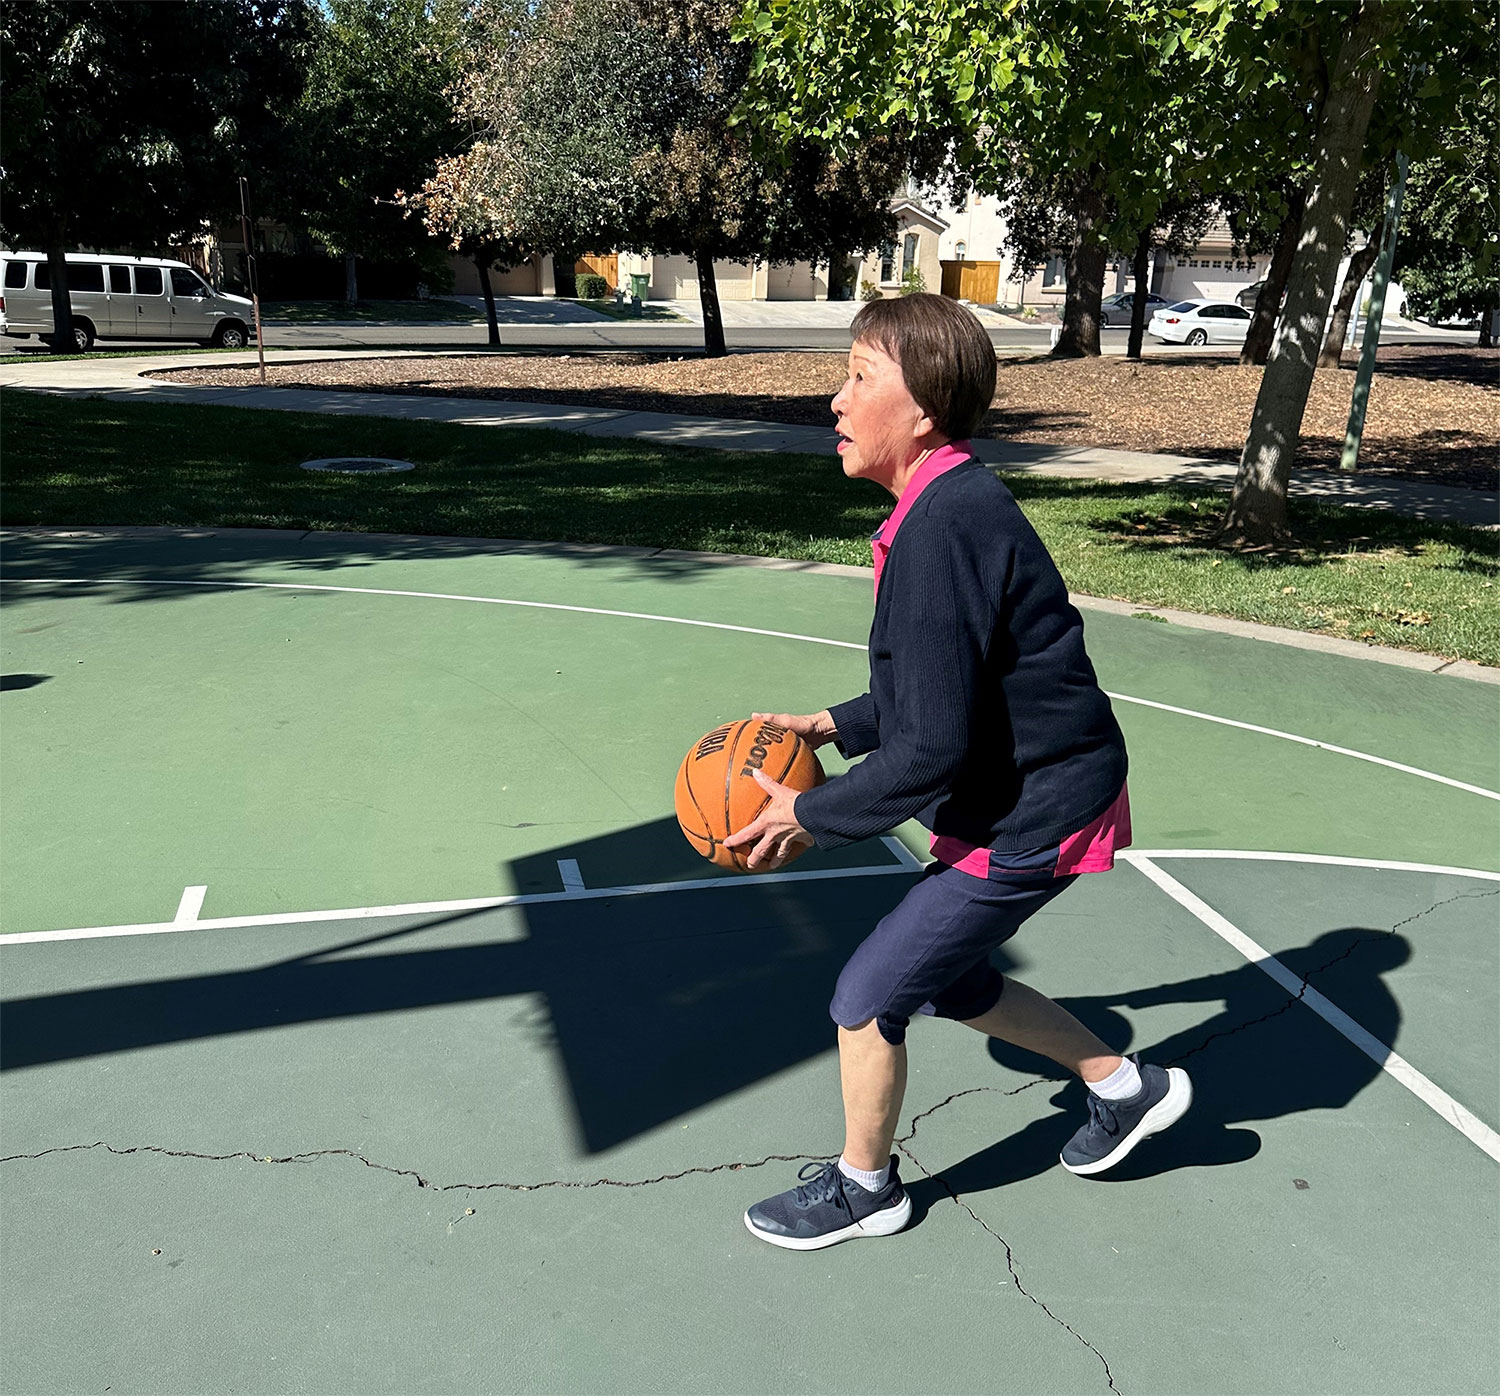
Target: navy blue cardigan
<point>984,719</point>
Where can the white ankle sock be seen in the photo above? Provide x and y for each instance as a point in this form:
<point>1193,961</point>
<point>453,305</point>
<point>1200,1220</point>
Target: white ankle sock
<point>870,1182</point>
<point>1121,1083</point>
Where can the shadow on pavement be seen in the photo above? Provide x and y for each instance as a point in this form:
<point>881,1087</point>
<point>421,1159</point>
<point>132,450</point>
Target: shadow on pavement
<point>656,1005</point>
<point>1261,1057</point>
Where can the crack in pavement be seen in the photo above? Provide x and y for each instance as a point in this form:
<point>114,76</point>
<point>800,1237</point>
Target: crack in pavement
<point>975,1090</point>
<point>1307,978</point>
<point>1010,1258</point>
<point>416,1177</point>
<point>901,1142</point>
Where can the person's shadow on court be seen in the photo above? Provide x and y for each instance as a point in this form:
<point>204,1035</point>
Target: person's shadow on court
<point>1264,1055</point>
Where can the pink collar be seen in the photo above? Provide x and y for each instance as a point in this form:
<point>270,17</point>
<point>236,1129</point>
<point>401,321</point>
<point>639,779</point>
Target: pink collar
<point>939,462</point>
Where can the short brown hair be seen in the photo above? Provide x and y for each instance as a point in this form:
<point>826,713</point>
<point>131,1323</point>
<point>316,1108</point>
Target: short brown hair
<point>945,355</point>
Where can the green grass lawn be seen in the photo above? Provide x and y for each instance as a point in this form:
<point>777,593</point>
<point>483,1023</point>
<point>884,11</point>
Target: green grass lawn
<point>429,312</point>
<point>1361,574</point>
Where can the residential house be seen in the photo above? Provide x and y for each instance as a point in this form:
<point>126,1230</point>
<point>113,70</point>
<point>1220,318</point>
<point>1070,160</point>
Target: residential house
<point>958,247</point>
<point>675,277</point>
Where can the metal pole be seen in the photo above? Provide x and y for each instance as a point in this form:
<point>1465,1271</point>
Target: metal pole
<point>251,274</point>
<point>1366,371</point>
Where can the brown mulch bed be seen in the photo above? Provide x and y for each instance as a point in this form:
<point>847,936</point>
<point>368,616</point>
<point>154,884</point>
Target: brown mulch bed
<point>1434,412</point>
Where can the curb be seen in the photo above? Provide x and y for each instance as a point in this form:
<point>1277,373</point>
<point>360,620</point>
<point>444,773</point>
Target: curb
<point>1192,620</point>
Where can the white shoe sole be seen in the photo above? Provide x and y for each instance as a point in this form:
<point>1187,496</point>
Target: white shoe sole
<point>1166,1112</point>
<point>886,1222</point>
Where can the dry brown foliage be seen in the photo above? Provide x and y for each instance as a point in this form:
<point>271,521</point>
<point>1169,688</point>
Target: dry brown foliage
<point>1434,413</point>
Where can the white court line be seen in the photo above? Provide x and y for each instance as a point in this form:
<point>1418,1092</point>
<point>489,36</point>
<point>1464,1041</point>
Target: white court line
<point>190,905</point>
<point>1430,1094</point>
<point>364,913</point>
<point>434,596</point>
<point>1332,860</point>
<point>903,853</point>
<point>908,862</point>
<point>1308,741</point>
<point>739,629</point>
<point>571,874</point>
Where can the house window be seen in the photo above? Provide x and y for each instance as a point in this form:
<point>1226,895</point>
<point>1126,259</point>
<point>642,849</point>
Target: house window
<point>961,251</point>
<point>908,253</point>
<point>1055,273</point>
<point>888,261</point>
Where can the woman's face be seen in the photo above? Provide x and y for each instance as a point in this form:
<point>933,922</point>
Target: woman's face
<point>880,426</point>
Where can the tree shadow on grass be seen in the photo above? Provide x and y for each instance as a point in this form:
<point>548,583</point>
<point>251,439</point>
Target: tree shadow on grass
<point>1321,532</point>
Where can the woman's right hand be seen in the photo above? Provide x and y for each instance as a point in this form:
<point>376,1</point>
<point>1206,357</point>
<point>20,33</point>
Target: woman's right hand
<point>816,729</point>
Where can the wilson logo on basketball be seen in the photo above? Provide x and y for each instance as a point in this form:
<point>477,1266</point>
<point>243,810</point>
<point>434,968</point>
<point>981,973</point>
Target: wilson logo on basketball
<point>768,736</point>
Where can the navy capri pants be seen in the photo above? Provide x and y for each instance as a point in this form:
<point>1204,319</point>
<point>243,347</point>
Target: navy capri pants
<point>932,953</point>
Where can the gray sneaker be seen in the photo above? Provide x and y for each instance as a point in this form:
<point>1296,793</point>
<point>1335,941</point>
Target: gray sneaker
<point>828,1208</point>
<point>1115,1127</point>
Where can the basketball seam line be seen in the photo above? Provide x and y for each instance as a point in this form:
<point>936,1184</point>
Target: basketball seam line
<point>734,742</point>
<point>708,831</point>
<point>729,777</point>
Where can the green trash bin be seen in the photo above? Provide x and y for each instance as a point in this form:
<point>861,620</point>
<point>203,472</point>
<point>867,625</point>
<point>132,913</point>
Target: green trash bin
<point>639,282</point>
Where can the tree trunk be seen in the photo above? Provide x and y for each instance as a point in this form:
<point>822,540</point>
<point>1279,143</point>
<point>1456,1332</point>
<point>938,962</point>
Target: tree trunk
<point>1487,325</point>
<point>1257,346</point>
<point>482,264</point>
<point>1257,508</point>
<point>708,296</point>
<point>1142,290</point>
<point>351,280</point>
<point>61,338</point>
<point>1359,268</point>
<point>1086,261</point>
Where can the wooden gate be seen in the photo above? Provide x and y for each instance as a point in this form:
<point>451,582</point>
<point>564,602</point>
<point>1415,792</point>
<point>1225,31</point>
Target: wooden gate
<point>606,265</point>
<point>972,281</point>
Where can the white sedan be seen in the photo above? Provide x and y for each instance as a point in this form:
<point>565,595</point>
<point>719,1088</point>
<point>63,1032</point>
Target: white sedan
<point>1201,322</point>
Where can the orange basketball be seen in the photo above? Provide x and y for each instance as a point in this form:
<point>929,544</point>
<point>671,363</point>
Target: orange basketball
<point>716,790</point>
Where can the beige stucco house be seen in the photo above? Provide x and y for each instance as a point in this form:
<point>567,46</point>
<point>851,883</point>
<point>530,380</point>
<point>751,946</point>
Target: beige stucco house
<point>1211,271</point>
<point>957,246</point>
<point>671,277</point>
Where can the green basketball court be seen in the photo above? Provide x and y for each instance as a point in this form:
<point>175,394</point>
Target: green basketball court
<point>368,1025</point>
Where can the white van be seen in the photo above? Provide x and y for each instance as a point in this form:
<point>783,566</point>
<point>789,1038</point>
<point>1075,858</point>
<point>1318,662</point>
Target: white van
<point>119,297</point>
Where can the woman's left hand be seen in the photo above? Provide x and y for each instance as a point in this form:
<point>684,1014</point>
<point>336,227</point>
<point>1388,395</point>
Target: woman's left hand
<point>775,835</point>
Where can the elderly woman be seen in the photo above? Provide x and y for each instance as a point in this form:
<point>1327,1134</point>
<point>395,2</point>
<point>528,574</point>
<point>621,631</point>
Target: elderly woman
<point>984,720</point>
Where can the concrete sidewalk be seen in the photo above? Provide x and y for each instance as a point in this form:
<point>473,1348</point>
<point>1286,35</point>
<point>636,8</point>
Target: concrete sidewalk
<point>124,379</point>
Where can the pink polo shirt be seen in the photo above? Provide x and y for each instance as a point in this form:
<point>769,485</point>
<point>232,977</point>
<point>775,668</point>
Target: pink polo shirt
<point>1087,850</point>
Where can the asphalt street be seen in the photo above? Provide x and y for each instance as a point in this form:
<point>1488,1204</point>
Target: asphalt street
<point>685,336</point>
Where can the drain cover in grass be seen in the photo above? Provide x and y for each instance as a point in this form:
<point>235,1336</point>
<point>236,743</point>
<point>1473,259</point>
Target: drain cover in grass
<point>358,465</point>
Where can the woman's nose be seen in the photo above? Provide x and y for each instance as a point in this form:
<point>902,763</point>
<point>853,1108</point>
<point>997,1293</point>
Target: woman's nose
<point>838,397</point>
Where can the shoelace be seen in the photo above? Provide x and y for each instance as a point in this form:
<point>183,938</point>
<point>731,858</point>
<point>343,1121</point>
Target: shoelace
<point>822,1185</point>
<point>1101,1116</point>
